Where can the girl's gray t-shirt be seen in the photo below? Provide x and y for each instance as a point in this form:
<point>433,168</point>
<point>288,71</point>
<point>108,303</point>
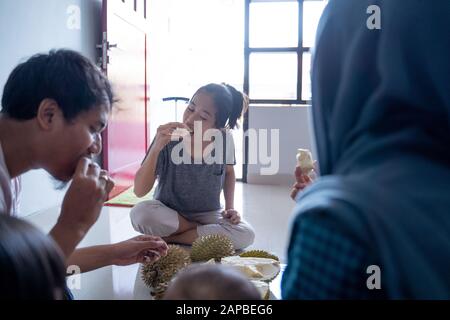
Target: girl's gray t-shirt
<point>193,187</point>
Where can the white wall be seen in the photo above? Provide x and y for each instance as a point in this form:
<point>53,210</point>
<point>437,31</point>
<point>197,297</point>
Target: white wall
<point>33,26</point>
<point>294,128</point>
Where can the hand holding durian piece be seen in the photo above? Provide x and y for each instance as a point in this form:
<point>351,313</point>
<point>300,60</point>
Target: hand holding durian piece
<point>303,171</point>
<point>305,161</point>
<point>180,133</point>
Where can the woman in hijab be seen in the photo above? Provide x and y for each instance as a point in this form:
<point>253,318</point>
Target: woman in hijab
<point>376,224</point>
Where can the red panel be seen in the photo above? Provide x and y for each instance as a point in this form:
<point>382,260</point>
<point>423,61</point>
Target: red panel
<point>125,139</point>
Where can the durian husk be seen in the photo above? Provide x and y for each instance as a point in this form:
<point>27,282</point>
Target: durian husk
<point>247,266</point>
<point>213,246</point>
<point>273,278</point>
<point>305,161</point>
<point>157,275</point>
<point>259,254</point>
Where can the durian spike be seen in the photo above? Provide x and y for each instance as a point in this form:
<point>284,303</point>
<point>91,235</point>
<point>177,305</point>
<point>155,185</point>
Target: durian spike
<point>259,254</point>
<point>160,290</point>
<point>164,269</point>
<point>213,246</point>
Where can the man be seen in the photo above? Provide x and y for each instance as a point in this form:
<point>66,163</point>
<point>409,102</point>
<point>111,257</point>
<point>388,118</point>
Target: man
<point>54,108</point>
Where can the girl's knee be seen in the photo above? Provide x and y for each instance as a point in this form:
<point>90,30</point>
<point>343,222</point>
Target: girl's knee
<point>153,218</point>
<point>141,214</point>
<point>244,236</point>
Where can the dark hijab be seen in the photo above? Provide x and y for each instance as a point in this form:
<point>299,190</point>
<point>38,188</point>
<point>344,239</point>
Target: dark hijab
<point>381,112</point>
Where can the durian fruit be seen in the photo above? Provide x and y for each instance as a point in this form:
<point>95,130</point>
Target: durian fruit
<point>209,247</point>
<point>262,269</point>
<point>159,291</point>
<point>258,254</point>
<point>157,274</point>
<point>305,161</point>
<point>180,133</point>
<point>263,288</point>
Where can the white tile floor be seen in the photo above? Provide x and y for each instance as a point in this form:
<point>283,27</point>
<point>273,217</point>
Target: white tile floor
<point>267,208</point>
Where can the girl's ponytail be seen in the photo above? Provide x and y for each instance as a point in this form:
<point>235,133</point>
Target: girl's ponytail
<point>238,107</point>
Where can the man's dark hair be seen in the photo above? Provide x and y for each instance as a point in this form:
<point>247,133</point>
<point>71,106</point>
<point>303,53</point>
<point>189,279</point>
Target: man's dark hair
<point>65,76</point>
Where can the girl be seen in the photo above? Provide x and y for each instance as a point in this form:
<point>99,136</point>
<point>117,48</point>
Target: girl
<point>187,198</point>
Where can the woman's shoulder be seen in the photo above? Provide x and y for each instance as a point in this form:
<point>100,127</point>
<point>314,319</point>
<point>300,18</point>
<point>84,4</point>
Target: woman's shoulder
<point>321,247</point>
<point>322,217</point>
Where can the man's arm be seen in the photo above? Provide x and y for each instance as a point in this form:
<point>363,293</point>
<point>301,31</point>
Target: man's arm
<point>66,237</point>
<point>136,250</point>
<point>91,258</point>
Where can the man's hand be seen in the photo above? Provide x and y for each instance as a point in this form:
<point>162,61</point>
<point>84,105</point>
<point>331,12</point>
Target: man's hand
<point>82,205</point>
<point>140,249</point>
<point>86,195</point>
<point>232,215</point>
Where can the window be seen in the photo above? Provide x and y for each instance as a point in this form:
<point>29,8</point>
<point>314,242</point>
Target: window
<point>279,37</point>
<point>274,75</point>
<point>273,24</point>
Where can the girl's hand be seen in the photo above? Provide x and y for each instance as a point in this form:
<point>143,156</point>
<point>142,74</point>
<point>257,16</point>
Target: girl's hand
<point>140,249</point>
<point>232,215</point>
<point>164,133</point>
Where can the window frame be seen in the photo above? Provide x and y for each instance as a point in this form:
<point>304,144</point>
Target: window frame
<point>299,49</point>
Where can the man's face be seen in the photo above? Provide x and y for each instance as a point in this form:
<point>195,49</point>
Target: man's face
<point>74,139</point>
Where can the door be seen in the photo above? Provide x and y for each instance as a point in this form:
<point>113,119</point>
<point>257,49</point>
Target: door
<point>124,61</point>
